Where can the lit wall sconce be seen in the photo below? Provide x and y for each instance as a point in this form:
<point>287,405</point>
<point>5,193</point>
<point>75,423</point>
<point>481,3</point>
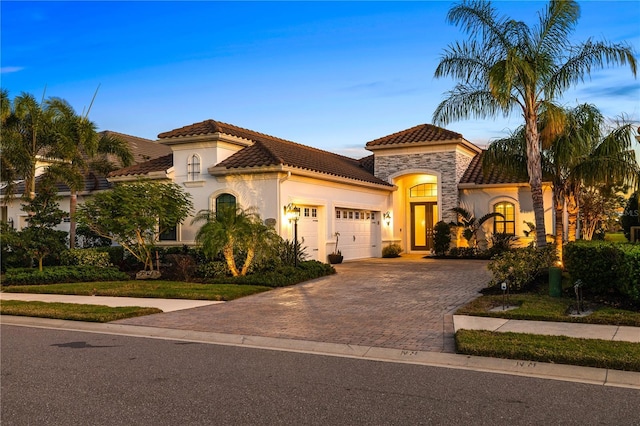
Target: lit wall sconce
<point>387,218</point>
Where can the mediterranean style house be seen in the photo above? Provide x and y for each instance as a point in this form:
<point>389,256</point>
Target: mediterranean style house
<point>411,180</point>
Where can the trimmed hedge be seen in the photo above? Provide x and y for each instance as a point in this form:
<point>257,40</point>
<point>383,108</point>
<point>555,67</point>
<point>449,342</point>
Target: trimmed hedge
<point>520,267</point>
<point>85,257</point>
<point>62,274</point>
<point>282,276</point>
<point>605,267</point>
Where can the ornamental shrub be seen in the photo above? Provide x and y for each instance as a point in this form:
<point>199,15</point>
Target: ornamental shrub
<point>62,274</point>
<point>605,268</point>
<point>441,238</point>
<point>520,267</point>
<point>392,250</point>
<point>282,276</point>
<point>85,257</point>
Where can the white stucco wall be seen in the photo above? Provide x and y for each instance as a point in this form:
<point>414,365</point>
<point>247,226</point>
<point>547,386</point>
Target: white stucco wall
<point>481,201</point>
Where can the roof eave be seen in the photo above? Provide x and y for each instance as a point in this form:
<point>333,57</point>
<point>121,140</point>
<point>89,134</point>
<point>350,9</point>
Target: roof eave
<point>223,171</point>
<point>460,141</point>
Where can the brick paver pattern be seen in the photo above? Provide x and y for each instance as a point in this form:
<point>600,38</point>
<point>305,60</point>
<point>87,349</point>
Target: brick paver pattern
<point>403,303</point>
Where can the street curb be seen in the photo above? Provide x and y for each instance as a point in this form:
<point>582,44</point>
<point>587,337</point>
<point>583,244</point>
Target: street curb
<point>571,373</point>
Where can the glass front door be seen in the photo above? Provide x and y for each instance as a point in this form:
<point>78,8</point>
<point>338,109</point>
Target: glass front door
<point>423,216</point>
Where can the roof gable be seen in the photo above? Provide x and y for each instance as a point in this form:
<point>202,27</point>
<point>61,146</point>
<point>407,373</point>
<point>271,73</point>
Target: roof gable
<point>418,134</point>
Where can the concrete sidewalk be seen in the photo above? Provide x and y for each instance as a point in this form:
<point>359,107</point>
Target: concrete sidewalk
<point>547,328</point>
<point>166,305</point>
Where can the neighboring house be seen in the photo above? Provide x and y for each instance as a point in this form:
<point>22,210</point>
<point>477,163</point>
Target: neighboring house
<point>142,150</point>
<point>412,180</point>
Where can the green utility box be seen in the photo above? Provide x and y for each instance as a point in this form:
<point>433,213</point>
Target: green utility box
<point>555,281</point>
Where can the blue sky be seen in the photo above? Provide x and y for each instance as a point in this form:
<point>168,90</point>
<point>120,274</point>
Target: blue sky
<point>333,75</point>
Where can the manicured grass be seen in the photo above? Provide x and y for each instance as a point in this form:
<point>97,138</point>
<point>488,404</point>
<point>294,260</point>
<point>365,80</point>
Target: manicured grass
<point>554,349</point>
<point>617,237</point>
<point>136,288</point>
<point>73,311</point>
<point>545,308</point>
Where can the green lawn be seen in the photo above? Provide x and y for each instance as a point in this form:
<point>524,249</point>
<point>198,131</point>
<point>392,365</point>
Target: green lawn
<point>137,288</point>
<point>554,349</point>
<point>545,308</point>
<point>73,311</point>
<point>617,237</point>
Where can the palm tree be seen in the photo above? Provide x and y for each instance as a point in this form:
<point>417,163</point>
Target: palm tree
<point>505,65</point>
<point>577,154</point>
<point>470,224</point>
<point>25,139</point>
<point>81,149</point>
<point>232,230</point>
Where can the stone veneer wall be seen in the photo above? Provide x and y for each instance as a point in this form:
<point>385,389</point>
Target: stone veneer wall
<point>451,166</point>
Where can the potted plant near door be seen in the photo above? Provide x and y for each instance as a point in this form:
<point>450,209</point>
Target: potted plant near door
<point>336,256</point>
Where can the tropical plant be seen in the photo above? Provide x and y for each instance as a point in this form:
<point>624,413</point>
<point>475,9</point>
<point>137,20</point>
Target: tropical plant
<point>24,139</point>
<point>470,224</point>
<point>507,65</point>
<point>231,230</point>
<point>582,151</point>
<point>82,149</point>
<point>135,214</point>
<point>335,248</point>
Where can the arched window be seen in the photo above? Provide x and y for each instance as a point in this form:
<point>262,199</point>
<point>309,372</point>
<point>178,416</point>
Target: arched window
<point>506,225</point>
<point>224,201</point>
<point>424,190</point>
<point>193,168</point>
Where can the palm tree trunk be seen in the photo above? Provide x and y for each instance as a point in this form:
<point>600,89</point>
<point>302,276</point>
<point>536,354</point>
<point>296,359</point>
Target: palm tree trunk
<point>73,203</point>
<point>534,168</point>
<point>572,210</point>
<point>247,263</point>
<point>227,252</point>
<point>558,201</point>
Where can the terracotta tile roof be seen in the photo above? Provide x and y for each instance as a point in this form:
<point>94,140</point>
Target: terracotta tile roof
<point>142,149</point>
<point>208,127</point>
<point>420,133</point>
<point>479,175</point>
<point>368,163</point>
<point>268,150</point>
<point>159,164</point>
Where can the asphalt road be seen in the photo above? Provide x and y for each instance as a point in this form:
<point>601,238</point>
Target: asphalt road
<point>53,377</point>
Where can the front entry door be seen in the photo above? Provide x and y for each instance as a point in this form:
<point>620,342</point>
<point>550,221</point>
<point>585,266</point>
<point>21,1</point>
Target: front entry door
<point>423,216</point>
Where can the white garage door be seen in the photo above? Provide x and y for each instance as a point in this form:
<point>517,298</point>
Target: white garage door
<point>308,231</point>
<point>359,230</point>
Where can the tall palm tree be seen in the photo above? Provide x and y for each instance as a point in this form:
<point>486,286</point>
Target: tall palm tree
<point>81,149</point>
<point>25,139</point>
<point>231,230</point>
<point>506,66</point>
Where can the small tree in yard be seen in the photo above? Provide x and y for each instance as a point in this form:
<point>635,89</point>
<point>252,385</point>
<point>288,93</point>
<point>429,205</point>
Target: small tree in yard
<point>135,214</point>
<point>39,239</point>
<point>232,230</point>
<point>630,215</point>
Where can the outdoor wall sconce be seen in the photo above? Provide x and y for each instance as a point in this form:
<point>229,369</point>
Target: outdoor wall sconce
<point>387,218</point>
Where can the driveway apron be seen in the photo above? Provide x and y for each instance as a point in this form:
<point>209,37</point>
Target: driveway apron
<point>403,303</point>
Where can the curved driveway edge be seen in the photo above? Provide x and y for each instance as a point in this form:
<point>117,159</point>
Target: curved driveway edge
<point>404,303</point>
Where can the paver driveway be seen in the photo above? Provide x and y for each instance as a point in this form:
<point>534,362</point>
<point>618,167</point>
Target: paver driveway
<point>403,303</point>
